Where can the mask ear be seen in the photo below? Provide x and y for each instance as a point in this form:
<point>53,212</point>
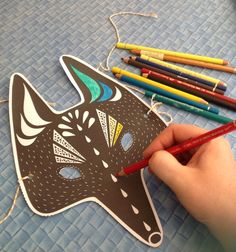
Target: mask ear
<point>29,113</point>
<point>91,84</point>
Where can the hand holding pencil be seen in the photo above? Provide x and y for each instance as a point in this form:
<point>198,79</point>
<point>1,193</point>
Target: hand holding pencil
<point>182,147</point>
<point>206,185</point>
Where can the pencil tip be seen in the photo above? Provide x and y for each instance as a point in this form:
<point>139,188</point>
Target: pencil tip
<point>125,59</point>
<point>121,173</point>
<point>223,84</point>
<point>135,51</point>
<point>225,62</point>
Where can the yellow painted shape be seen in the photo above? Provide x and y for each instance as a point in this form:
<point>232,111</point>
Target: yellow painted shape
<point>118,131</point>
<point>112,128</point>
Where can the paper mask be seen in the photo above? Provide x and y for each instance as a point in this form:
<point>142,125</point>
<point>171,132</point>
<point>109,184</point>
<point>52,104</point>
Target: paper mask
<point>72,155</point>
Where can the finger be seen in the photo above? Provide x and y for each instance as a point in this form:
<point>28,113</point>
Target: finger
<point>170,171</point>
<point>207,155</point>
<point>175,133</point>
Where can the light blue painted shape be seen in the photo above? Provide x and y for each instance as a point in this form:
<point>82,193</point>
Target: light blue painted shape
<point>107,92</point>
<point>70,172</point>
<point>127,141</point>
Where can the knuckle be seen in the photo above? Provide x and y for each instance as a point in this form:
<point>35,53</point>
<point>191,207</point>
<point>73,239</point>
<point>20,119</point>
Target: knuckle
<point>156,159</point>
<point>155,156</point>
<point>219,144</point>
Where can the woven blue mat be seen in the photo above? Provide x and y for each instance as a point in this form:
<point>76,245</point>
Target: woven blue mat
<point>33,35</point>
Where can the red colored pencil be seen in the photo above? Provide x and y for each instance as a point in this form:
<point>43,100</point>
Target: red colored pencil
<point>184,86</point>
<point>183,147</point>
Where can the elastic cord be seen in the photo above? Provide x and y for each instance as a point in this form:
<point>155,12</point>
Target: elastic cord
<point>106,67</point>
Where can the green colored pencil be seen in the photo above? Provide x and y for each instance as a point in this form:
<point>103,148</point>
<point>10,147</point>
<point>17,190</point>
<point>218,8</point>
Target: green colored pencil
<point>186,107</point>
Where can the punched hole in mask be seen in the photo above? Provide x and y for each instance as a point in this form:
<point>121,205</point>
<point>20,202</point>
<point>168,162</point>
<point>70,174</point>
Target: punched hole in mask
<point>70,172</point>
<point>127,141</point>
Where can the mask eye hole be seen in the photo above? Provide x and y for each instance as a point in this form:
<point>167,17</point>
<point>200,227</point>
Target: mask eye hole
<point>70,172</point>
<point>127,141</point>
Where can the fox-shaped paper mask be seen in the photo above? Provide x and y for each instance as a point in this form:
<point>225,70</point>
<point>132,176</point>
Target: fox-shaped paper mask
<point>89,139</point>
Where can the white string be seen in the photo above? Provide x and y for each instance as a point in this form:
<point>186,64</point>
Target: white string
<point>3,100</point>
<point>155,105</point>
<point>215,86</point>
<point>166,115</point>
<point>52,104</point>
<point>14,200</point>
<point>106,67</point>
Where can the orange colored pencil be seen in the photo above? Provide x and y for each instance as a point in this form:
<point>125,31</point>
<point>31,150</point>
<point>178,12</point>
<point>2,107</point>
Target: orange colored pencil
<point>164,57</point>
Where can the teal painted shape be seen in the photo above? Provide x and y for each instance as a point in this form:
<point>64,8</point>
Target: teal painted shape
<point>90,83</point>
<point>107,92</point>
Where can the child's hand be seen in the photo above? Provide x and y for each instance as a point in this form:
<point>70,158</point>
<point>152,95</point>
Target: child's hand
<point>206,185</point>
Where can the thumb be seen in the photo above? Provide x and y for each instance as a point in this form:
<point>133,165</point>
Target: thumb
<point>170,171</point>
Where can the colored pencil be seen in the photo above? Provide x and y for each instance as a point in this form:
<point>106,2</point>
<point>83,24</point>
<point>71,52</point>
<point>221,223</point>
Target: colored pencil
<point>209,96</point>
<point>180,105</point>
<point>185,75</point>
<point>141,65</point>
<point>183,70</point>
<point>162,56</point>
<point>159,91</point>
<point>173,53</point>
<point>183,147</point>
<point>159,85</point>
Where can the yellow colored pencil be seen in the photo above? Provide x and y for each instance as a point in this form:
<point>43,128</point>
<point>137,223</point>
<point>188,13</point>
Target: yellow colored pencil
<point>182,69</point>
<point>117,70</point>
<point>173,53</point>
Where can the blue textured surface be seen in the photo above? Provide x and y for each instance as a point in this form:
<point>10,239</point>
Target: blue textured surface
<point>33,35</point>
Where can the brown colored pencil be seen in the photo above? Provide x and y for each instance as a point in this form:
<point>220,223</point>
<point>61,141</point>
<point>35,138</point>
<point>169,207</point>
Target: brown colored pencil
<point>140,65</point>
<point>162,56</point>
